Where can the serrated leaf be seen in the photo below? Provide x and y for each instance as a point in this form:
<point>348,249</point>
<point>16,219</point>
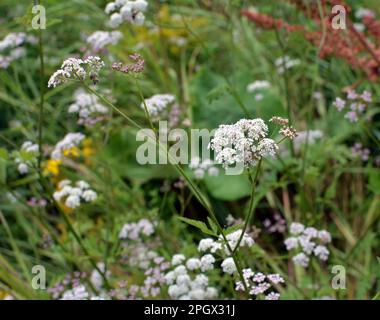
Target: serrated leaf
<point>199,225</point>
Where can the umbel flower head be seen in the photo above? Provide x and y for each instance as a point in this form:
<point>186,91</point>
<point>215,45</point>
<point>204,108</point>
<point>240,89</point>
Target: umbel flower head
<point>244,142</point>
<point>158,105</point>
<point>73,68</point>
<point>74,195</point>
<point>126,10</point>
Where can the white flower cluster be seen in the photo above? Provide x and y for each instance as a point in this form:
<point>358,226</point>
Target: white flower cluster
<point>79,293</point>
<point>233,238</point>
<point>73,68</point>
<point>140,255</point>
<point>187,280</point>
<point>200,168</point>
<point>259,284</point>
<point>310,241</point>
<point>74,194</point>
<point>219,246</point>
<point>244,142</point>
<point>12,40</point>
<point>158,104</point>
<point>101,39</point>
<point>134,230</point>
<point>88,107</point>
<point>70,141</point>
<point>126,10</point>
<point>284,63</point>
<point>12,46</point>
<point>258,85</point>
<point>229,266</point>
<point>32,151</point>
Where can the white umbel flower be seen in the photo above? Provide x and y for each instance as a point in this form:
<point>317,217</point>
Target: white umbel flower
<point>12,47</point>
<point>201,168</point>
<point>77,293</point>
<point>321,252</point>
<point>99,40</point>
<point>23,168</point>
<point>130,11</point>
<point>73,195</point>
<point>31,149</point>
<point>309,241</point>
<point>296,228</point>
<point>244,142</point>
<point>73,68</point>
<point>158,104</point>
<point>193,264</point>
<point>257,85</point>
<point>189,282</point>
<point>178,259</point>
<point>301,259</point>
<point>207,262</point>
<point>89,195</point>
<point>87,106</point>
<point>71,140</point>
<point>228,266</point>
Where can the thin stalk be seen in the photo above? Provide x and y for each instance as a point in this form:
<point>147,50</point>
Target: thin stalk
<point>42,94</point>
<point>205,203</point>
<point>46,186</point>
<point>286,87</point>
<point>193,187</point>
<point>251,203</point>
<point>370,134</point>
<point>147,114</point>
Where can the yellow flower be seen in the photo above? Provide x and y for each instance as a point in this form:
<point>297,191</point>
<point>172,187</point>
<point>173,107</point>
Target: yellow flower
<point>88,150</point>
<point>74,152</point>
<point>52,167</point>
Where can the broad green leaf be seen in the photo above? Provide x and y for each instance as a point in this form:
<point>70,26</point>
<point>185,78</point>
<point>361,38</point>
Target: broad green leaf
<point>228,188</point>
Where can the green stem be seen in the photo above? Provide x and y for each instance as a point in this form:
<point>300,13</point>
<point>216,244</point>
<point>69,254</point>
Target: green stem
<point>42,95</point>
<point>286,87</point>
<point>192,186</point>
<point>45,185</point>
<point>370,134</point>
<point>147,114</point>
<point>251,203</point>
